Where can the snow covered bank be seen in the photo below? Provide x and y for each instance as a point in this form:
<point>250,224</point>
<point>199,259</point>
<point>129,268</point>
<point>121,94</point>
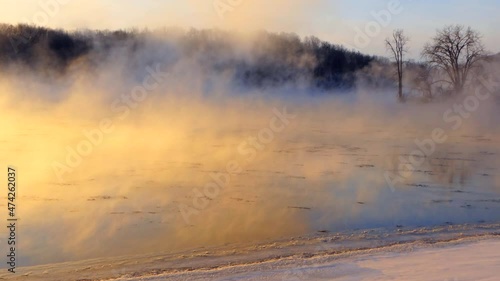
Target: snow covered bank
<point>466,261</point>
<point>444,253</point>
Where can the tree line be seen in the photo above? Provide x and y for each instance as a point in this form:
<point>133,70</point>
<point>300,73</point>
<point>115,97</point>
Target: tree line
<point>449,61</point>
<point>272,59</point>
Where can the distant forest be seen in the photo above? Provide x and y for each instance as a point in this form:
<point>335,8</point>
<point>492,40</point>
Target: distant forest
<point>269,60</point>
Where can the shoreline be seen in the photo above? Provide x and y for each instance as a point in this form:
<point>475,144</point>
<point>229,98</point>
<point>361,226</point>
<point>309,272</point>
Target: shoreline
<point>303,249</point>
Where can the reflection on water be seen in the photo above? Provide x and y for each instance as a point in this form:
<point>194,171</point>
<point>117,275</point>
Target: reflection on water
<point>314,176</point>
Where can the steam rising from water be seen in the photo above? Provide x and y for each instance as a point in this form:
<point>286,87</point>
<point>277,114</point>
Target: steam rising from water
<point>324,171</point>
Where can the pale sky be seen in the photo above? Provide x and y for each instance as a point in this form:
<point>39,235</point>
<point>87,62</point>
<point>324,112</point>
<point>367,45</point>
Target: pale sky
<point>337,21</point>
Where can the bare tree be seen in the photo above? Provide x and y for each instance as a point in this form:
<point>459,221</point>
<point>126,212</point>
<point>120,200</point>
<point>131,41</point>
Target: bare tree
<point>455,50</point>
<point>398,46</point>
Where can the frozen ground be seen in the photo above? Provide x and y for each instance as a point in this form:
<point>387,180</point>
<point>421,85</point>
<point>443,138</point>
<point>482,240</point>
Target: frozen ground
<point>468,261</point>
<point>447,253</point>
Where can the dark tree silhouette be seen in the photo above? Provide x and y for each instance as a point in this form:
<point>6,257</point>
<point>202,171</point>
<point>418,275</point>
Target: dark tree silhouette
<point>398,46</point>
<point>455,50</point>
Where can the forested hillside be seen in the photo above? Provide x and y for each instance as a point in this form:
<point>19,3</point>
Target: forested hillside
<point>265,60</point>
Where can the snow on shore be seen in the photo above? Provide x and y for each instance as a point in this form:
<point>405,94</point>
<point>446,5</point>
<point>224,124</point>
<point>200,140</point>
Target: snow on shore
<point>443,253</point>
<point>467,261</point>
